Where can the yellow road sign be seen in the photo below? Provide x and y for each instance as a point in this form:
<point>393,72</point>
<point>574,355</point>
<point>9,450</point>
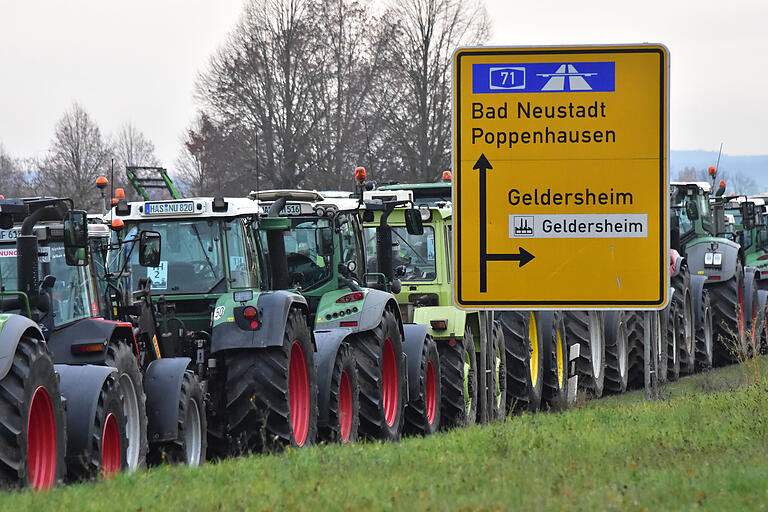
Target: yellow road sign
<point>560,177</point>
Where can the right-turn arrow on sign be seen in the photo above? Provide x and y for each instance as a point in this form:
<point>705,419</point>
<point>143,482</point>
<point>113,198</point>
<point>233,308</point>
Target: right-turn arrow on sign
<point>560,177</point>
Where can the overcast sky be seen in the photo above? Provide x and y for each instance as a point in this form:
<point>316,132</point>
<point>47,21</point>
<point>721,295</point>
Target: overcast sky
<point>137,61</point>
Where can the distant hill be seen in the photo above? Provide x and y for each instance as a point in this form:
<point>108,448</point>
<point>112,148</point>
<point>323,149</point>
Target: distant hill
<point>743,174</point>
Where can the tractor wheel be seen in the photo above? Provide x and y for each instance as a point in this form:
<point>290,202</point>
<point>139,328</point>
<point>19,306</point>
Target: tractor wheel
<point>272,392</point>
<point>727,301</point>
<point>381,368</point>
<point>344,408</point>
<point>761,323</point>
<point>670,319</point>
<point>498,373</point>
<point>190,446</point>
<point>705,338</point>
<point>616,352</point>
<point>121,356</point>
<point>636,337</point>
<point>32,428</point>
<point>107,450</point>
<point>422,415</point>
<point>525,360</point>
<point>659,337</point>
<point>753,347</point>
<point>585,329</point>
<point>458,381</point>
<point>686,332</point>
<point>555,392</point>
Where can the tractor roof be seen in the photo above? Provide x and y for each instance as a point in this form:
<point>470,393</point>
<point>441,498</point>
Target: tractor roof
<point>189,208</point>
<point>701,185</point>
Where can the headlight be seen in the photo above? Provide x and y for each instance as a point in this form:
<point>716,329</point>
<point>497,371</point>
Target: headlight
<point>718,259</point>
<point>708,258</point>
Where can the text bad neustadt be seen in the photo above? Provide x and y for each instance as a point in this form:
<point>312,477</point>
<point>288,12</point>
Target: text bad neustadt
<point>545,135</point>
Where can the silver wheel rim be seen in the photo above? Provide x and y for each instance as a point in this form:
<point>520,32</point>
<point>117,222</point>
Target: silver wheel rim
<point>659,333</point>
<point>708,333</point>
<point>595,344</point>
<point>192,434</point>
<point>132,429</point>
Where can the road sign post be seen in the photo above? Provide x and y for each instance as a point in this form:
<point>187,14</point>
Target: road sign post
<point>560,177</point>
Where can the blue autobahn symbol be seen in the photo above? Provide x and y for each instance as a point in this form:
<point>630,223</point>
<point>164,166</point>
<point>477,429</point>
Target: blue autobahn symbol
<point>544,77</point>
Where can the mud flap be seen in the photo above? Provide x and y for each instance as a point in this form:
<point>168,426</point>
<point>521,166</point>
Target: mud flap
<point>328,343</point>
<point>162,384</point>
<point>413,344</point>
<point>80,387</point>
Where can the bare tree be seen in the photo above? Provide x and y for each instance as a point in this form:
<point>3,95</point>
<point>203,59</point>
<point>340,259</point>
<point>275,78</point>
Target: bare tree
<point>76,157</point>
<point>132,147</point>
<point>260,83</point>
<point>13,181</point>
<point>419,122</point>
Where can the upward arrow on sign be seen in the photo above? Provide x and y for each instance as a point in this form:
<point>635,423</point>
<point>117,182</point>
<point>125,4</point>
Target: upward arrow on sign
<point>523,257</point>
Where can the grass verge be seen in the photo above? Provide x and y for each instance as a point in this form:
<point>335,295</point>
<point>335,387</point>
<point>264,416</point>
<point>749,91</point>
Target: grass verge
<point>692,450</point>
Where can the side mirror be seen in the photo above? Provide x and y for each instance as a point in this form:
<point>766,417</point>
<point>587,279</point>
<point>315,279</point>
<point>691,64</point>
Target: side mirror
<point>748,215</point>
<point>149,249</point>
<point>413,223</point>
<point>75,229</point>
<point>367,216</point>
<point>324,241</point>
<point>691,210</point>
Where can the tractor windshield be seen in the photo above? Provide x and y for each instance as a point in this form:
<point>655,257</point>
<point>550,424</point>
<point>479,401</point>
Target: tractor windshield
<point>309,268</point>
<point>413,256</point>
<point>192,256</point>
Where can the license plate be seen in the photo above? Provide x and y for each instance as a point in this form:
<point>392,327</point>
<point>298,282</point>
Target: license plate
<point>289,209</point>
<point>169,208</point>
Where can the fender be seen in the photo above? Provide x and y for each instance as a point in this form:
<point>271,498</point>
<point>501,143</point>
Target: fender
<point>162,384</point>
<point>273,314</point>
<point>456,320</point>
<point>697,288</point>
<point>12,328</point>
<point>328,343</point>
<point>90,331</point>
<point>413,343</point>
<point>80,387</point>
<point>749,285</point>
<point>370,312</point>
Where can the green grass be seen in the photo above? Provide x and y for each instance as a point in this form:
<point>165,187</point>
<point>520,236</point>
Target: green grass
<point>699,448</point>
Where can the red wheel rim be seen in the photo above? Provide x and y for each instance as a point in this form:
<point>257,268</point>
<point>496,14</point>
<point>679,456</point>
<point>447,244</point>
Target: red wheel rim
<point>298,394</point>
<point>41,441</point>
<point>389,383</point>
<point>431,392</point>
<point>345,407</point>
<point>110,447</point>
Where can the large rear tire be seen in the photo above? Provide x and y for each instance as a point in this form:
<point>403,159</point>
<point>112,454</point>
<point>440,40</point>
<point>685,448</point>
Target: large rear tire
<point>458,381</point>
<point>671,319</point>
<point>524,359</point>
<point>727,301</point>
<point>32,428</point>
<point>344,402</point>
<point>121,356</point>
<point>498,373</point>
<point>422,415</point>
<point>555,392</point>
<point>616,352</point>
<point>190,445</point>
<point>705,337</point>
<point>272,392</point>
<point>381,368</point>
<point>585,328</point>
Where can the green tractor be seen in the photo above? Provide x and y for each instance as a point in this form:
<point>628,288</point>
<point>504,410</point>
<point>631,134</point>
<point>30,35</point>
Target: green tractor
<point>46,237</point>
<point>528,350</point>
<point>357,322</point>
<point>715,259</point>
<point>250,345</point>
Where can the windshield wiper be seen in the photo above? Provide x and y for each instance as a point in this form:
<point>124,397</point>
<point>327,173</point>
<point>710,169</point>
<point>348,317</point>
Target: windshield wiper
<point>202,248</point>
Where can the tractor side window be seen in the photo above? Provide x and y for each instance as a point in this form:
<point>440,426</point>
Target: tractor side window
<point>242,267</point>
<point>449,251</point>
